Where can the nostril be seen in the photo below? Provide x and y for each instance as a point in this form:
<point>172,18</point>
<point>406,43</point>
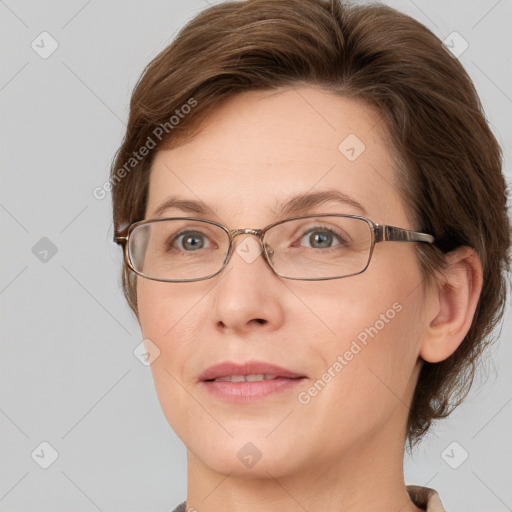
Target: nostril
<point>260,320</point>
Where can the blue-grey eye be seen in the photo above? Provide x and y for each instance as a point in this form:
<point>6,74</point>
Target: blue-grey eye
<point>192,241</point>
<point>319,238</point>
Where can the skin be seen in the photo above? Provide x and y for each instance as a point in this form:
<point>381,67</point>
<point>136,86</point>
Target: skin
<point>344,449</point>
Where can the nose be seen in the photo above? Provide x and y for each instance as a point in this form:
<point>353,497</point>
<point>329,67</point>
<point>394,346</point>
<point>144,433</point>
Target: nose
<point>248,295</point>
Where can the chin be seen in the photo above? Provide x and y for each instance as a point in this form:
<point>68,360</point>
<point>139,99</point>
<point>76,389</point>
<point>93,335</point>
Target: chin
<point>245,462</point>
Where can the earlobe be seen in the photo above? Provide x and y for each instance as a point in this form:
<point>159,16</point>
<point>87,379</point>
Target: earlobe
<point>450,314</point>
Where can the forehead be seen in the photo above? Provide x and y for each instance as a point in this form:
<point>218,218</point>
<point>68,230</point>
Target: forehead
<point>260,148</point>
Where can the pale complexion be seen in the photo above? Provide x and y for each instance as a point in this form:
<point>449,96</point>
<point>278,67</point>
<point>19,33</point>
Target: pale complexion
<point>343,450</point>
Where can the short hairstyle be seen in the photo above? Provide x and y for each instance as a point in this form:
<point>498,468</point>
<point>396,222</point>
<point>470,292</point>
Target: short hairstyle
<point>447,161</point>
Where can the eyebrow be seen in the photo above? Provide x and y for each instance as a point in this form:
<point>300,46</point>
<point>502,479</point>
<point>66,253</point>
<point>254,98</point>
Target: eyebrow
<point>185,205</point>
<point>296,205</point>
<point>302,203</point>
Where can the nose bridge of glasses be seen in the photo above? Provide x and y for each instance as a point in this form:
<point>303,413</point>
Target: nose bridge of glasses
<point>245,231</point>
<point>258,233</point>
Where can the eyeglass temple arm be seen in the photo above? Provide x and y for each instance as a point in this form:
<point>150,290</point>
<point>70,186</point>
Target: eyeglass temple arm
<point>393,234</point>
<point>119,239</point>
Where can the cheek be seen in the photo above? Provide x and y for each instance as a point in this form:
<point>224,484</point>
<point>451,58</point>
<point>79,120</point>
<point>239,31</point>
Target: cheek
<point>166,310</point>
<point>169,315</point>
<point>171,318</point>
<point>369,350</point>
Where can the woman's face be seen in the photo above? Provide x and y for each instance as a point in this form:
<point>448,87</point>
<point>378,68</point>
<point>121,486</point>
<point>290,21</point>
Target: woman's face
<point>353,341</point>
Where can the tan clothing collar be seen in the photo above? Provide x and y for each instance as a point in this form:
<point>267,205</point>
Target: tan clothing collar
<point>425,498</point>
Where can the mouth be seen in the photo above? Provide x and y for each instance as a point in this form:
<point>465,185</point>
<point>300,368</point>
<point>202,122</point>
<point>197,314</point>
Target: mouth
<point>245,378</point>
<point>249,381</point>
<point>248,371</point>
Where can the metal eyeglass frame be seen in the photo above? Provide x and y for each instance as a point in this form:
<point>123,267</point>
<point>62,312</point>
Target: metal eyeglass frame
<point>379,233</point>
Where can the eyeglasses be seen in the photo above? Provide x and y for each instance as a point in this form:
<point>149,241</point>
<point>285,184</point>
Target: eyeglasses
<point>309,248</point>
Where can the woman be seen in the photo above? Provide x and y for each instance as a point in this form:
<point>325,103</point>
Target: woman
<point>270,149</point>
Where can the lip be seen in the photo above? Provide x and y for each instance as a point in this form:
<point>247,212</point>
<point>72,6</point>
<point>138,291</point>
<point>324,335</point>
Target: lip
<point>248,391</point>
<point>227,368</point>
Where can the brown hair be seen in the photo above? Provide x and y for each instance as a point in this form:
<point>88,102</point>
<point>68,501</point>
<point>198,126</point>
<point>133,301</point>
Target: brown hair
<point>446,156</point>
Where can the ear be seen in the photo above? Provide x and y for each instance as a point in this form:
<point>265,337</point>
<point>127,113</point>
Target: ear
<point>451,305</point>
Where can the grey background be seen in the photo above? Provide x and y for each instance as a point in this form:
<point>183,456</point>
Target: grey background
<point>67,369</point>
